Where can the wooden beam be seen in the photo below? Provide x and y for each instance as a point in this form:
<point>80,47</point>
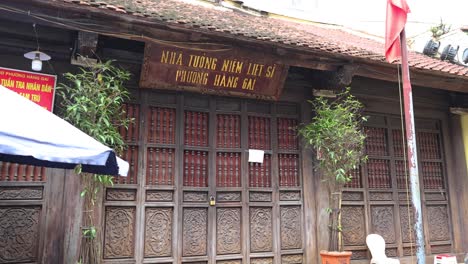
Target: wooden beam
<point>142,29</point>
<point>418,77</point>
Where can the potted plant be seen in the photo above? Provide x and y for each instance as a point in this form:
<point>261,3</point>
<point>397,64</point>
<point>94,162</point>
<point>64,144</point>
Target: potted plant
<point>336,134</point>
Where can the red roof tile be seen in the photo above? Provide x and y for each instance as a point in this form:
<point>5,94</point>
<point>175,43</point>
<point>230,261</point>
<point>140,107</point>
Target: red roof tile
<point>333,41</point>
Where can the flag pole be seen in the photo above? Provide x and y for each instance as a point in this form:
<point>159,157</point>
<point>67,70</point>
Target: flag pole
<point>411,151</point>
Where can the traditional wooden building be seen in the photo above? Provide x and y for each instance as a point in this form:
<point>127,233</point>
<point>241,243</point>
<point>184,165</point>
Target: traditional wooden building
<point>209,84</point>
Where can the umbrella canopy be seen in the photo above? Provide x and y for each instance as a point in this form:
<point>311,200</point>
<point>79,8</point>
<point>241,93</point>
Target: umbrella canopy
<point>29,134</point>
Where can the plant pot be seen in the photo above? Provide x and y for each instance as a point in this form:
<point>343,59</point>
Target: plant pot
<point>335,257</point>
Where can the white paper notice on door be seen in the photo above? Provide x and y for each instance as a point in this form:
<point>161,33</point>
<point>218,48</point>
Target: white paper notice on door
<point>256,155</point>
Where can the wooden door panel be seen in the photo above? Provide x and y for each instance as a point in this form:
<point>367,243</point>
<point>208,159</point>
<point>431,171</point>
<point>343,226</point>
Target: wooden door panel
<point>119,232</point>
<point>261,229</point>
<point>195,232</point>
<point>19,233</point>
<point>228,230</point>
<point>158,231</point>
<point>291,227</point>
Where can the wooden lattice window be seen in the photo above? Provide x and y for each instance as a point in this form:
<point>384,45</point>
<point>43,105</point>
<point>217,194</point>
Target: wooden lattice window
<point>160,166</point>
<point>196,129</point>
<point>287,134</point>
<point>195,168</point>
<point>288,170</point>
<point>228,131</point>
<point>18,172</point>
<point>228,169</point>
<point>130,135</point>
<point>259,133</point>
<point>260,173</point>
<point>131,156</point>
<point>161,125</point>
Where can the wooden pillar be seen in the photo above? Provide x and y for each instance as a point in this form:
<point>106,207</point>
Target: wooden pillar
<point>53,226</point>
<point>309,188</point>
<point>459,190</point>
<point>72,216</point>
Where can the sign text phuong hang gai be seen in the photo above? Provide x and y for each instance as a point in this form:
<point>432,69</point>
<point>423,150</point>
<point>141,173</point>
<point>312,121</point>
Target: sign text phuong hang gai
<point>233,72</point>
<point>37,87</point>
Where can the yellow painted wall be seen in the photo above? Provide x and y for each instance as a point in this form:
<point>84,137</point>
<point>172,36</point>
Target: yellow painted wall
<point>464,123</point>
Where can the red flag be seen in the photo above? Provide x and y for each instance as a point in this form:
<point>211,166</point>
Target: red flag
<point>397,11</point>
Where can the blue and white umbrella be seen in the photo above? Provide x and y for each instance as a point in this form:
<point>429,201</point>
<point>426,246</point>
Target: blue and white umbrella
<point>29,134</point>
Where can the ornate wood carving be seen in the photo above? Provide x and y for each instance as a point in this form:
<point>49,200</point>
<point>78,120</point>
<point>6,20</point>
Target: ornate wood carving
<point>236,261</point>
<point>383,222</point>
<point>228,231</point>
<point>437,249</point>
<point>353,196</point>
<point>261,236</point>
<point>403,196</point>
<point>260,173</point>
<point>228,131</point>
<point>261,261</point>
<point>359,254</point>
<point>20,193</point>
<point>291,227</point>
<point>292,259</point>
<point>195,196</point>
<point>353,226</point>
<point>120,195</point>
<point>290,195</point>
<point>159,196</point>
<point>259,133</point>
<point>194,234</point>
<point>160,164</point>
<point>119,232</point>
<point>228,169</point>
<point>195,168</point>
<point>408,251</point>
<point>435,196</point>
<point>260,196</point>
<point>228,196</point>
<point>438,223</point>
<point>158,232</point>
<point>380,196</point>
<point>288,165</point>
<point>391,252</point>
<point>19,234</point>
<point>407,230</point>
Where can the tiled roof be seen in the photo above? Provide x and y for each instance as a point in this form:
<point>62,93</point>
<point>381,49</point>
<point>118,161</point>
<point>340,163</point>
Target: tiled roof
<point>297,35</point>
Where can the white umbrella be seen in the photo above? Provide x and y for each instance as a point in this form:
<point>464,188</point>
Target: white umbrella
<point>29,134</point>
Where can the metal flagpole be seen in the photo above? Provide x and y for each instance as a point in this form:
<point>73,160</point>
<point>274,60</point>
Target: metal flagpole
<point>411,150</point>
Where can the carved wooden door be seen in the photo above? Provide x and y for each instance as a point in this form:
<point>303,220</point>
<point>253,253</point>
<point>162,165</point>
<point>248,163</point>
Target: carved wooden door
<point>192,149</point>
<point>234,211</point>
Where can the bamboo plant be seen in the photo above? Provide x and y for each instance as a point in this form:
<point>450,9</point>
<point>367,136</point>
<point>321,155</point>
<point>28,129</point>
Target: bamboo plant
<point>336,134</point>
<point>92,101</point>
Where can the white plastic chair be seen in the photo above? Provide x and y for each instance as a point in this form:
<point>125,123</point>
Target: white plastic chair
<point>376,245</point>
